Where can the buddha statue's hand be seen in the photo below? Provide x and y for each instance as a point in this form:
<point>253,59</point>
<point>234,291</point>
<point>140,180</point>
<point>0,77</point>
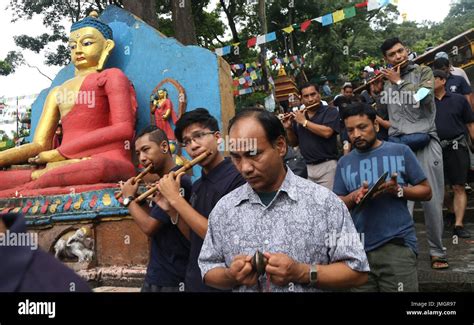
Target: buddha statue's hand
<point>46,157</point>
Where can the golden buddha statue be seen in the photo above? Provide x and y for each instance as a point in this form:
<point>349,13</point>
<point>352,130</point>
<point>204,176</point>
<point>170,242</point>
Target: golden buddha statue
<point>281,71</point>
<point>97,110</point>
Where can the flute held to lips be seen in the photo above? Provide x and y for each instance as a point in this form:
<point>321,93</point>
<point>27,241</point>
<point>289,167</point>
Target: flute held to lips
<point>187,165</point>
<point>286,115</point>
<point>379,76</point>
<point>137,178</point>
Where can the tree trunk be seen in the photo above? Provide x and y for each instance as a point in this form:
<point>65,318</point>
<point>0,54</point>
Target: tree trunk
<point>144,9</point>
<point>230,13</point>
<point>263,49</point>
<point>183,22</point>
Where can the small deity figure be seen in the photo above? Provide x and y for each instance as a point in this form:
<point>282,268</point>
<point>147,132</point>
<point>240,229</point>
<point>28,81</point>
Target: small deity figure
<point>162,108</point>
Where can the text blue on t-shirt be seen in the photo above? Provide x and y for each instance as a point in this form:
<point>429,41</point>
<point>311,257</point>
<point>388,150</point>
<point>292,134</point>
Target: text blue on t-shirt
<point>386,216</point>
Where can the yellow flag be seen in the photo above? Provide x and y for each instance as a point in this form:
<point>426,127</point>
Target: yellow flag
<point>338,16</point>
<point>288,29</point>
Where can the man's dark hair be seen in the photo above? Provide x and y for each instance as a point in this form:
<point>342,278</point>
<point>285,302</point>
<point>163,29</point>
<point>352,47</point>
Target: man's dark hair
<point>440,63</point>
<point>361,109</point>
<point>440,74</point>
<point>389,43</point>
<point>347,85</point>
<point>155,134</point>
<point>307,85</point>
<point>200,116</point>
<point>269,122</point>
<point>342,102</point>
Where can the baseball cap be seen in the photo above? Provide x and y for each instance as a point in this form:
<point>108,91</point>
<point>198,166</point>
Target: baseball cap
<point>441,55</point>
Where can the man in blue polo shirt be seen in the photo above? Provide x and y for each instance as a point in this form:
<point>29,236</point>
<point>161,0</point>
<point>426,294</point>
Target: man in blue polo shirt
<point>384,220</point>
<point>198,131</point>
<point>315,131</point>
<point>169,251</point>
<point>454,84</point>
<point>453,118</point>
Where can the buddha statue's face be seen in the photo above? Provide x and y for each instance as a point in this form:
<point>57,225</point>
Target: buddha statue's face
<point>161,94</point>
<point>89,48</point>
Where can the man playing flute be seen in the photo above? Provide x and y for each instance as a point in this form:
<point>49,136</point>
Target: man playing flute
<point>169,235</point>
<point>409,95</point>
<point>197,131</point>
<point>315,131</point>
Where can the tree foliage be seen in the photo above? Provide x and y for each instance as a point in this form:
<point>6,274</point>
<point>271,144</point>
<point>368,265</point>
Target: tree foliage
<point>11,61</point>
<point>338,51</point>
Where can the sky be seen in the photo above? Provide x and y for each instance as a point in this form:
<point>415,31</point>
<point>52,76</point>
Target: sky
<point>28,81</point>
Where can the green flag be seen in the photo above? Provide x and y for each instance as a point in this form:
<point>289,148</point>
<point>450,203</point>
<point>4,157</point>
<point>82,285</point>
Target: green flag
<point>349,12</point>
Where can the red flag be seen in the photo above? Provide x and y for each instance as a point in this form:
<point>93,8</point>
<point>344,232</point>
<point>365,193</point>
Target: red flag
<point>251,42</point>
<point>362,4</point>
<point>305,25</point>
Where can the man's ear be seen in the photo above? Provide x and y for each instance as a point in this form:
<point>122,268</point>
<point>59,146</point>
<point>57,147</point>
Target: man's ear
<point>165,148</point>
<point>281,146</point>
<point>376,126</point>
<point>218,137</point>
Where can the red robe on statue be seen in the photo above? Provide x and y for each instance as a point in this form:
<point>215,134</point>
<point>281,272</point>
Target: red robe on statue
<point>102,132</point>
<point>165,125</point>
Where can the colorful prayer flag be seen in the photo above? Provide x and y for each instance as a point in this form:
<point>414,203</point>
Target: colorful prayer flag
<point>288,29</point>
<point>319,19</point>
<point>349,12</point>
<point>251,42</point>
<point>327,19</point>
<point>305,25</point>
<point>338,16</point>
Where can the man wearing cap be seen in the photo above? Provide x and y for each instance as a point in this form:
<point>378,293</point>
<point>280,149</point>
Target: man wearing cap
<point>454,84</point>
<point>452,69</point>
<point>453,118</point>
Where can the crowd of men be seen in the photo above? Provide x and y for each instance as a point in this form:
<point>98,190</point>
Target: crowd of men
<point>259,221</point>
<point>250,223</point>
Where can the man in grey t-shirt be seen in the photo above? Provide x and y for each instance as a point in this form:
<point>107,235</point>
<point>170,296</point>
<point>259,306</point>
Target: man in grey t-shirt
<point>409,95</point>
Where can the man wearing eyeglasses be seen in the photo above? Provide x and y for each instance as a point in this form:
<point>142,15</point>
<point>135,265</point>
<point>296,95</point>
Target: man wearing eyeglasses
<point>409,95</point>
<point>197,131</point>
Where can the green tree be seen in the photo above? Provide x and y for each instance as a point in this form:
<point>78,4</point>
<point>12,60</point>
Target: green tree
<point>11,61</point>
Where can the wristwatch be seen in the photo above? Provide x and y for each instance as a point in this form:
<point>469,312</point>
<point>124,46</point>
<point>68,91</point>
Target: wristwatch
<point>313,275</point>
<point>126,202</point>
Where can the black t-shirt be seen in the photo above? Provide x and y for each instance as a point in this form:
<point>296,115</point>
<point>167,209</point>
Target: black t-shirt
<point>169,252</point>
<point>457,85</point>
<point>381,110</point>
<point>453,112</point>
<point>207,191</point>
<point>316,149</point>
